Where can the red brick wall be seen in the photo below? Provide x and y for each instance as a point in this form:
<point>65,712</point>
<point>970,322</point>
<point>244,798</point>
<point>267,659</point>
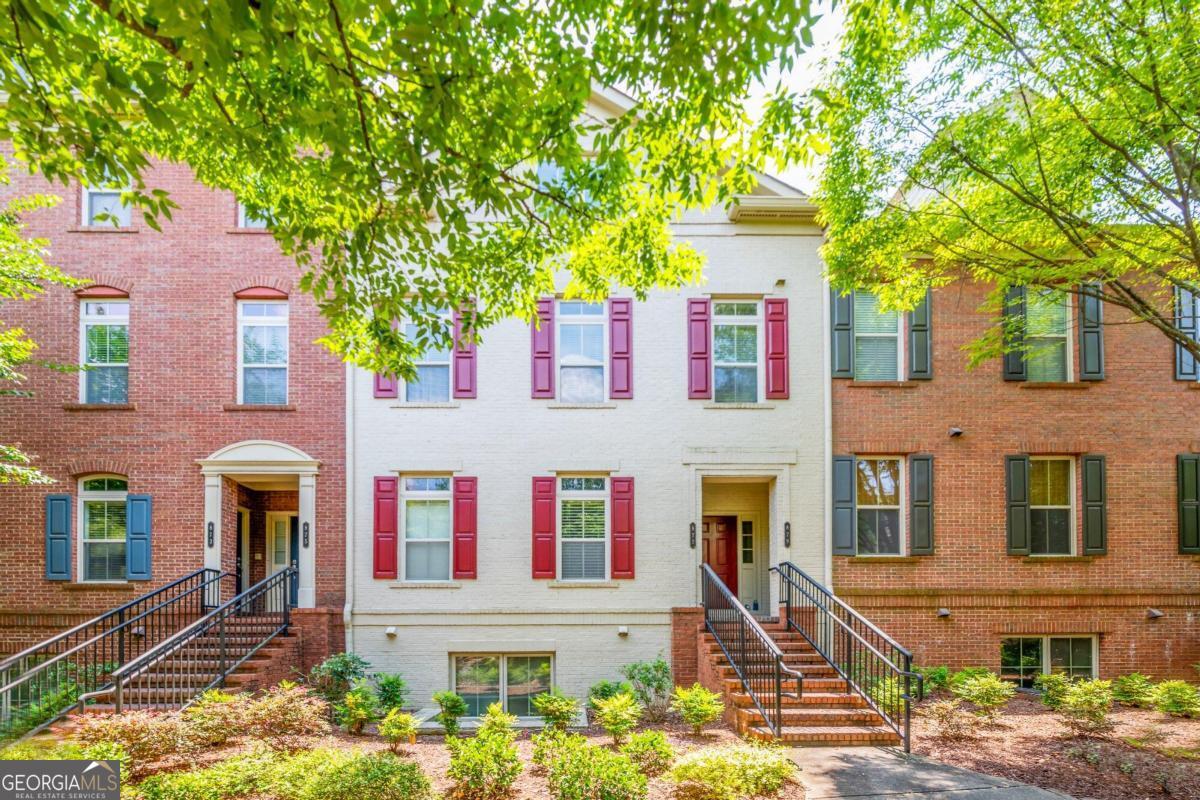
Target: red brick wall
<point>182,382</point>
<point>685,638</point>
<point>1139,417</point>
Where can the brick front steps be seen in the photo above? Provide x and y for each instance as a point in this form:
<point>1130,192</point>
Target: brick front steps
<point>827,713</point>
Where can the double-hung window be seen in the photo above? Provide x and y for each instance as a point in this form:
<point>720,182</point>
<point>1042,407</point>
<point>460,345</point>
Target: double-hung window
<point>102,206</point>
<point>432,382</point>
<point>426,524</point>
<point>104,350</point>
<point>878,526</point>
<point>583,528</point>
<point>876,340</point>
<point>736,351</point>
<point>103,530</point>
<point>263,352</point>
<point>251,220</point>
<point>1023,658</point>
<point>1051,485</point>
<point>1047,324</point>
<point>511,680</point>
<point>581,348</point>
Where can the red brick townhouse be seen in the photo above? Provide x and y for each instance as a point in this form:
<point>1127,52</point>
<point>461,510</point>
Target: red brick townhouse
<point>207,432</point>
<point>1034,514</point>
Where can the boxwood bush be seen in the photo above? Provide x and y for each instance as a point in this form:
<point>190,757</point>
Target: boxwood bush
<point>734,772</point>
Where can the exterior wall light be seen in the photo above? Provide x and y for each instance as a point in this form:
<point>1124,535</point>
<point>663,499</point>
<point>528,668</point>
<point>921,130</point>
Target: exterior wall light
<point>390,631</point>
<point>943,613</point>
<point>1154,613</point>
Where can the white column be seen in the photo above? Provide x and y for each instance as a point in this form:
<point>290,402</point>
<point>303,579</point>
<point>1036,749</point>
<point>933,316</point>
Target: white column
<point>308,542</point>
<point>212,522</point>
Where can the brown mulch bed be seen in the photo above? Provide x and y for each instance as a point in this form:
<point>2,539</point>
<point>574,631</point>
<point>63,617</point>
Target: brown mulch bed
<point>1145,755</point>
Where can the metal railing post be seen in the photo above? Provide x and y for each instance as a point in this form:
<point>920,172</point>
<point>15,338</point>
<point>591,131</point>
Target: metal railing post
<point>221,661</point>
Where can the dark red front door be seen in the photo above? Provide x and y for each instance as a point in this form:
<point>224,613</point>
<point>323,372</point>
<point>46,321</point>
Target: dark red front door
<point>720,549</point>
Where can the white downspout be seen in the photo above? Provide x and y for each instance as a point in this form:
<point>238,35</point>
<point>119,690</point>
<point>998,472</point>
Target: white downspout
<point>826,472</point>
<point>348,610</point>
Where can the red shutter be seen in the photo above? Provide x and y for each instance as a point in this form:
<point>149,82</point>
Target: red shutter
<point>620,348</point>
<point>465,526</point>
<point>622,527</point>
<point>387,518</point>
<point>699,325</point>
<point>386,387</point>
<point>542,350</point>
<point>776,313</point>
<point>544,561</point>
<point>464,361</point>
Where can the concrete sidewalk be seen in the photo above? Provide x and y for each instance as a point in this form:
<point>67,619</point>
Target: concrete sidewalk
<point>879,773</point>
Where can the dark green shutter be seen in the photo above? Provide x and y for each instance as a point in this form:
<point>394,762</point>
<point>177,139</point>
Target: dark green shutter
<point>921,498</point>
<point>1014,334</point>
<point>58,537</point>
<point>843,506</point>
<point>1189,504</point>
<point>1016,479</point>
<point>1091,333</point>
<point>137,543</point>
<point>920,341</point>
<point>1095,511</point>
<point>841,316</point>
<point>1186,367</point>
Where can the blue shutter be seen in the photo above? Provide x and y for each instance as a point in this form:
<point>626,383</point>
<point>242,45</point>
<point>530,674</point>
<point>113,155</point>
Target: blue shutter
<point>1186,367</point>
<point>841,318</point>
<point>137,542</point>
<point>843,506</point>
<point>1014,334</point>
<point>920,341</point>
<point>1091,333</point>
<point>58,537</point>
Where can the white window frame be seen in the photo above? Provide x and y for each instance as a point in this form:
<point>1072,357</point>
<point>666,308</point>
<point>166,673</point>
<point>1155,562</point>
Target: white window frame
<point>582,320</point>
<point>503,657</point>
<point>244,220</point>
<point>402,394</point>
<point>901,350</point>
<point>760,377</point>
<point>584,494</point>
<point>1045,667</point>
<point>242,322</point>
<point>84,496</point>
<point>1072,529</point>
<point>88,320</point>
<point>902,477</point>
<point>85,204</point>
<point>406,495</point>
<point>1068,344</point>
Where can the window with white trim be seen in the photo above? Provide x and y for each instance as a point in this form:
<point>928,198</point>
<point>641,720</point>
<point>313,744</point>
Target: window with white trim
<point>877,352</point>
<point>425,519</point>
<point>102,205</point>
<point>583,528</point>
<point>102,528</point>
<point>104,351</point>
<point>432,382</point>
<point>1047,325</point>
<point>511,680</point>
<point>1023,658</point>
<point>879,526</point>
<point>252,220</point>
<point>1051,510</point>
<point>582,351</point>
<point>263,352</point>
<point>736,351</point>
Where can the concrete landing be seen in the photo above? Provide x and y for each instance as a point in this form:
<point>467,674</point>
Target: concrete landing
<point>884,773</point>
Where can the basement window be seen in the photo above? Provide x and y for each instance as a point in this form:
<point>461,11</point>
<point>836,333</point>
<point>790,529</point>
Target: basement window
<point>1023,658</point>
<point>511,680</point>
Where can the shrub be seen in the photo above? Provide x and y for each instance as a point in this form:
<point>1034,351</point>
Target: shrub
<point>1178,698</point>
<point>603,690</point>
<point>1053,687</point>
<point>398,728</point>
<point>66,751</point>
<point>144,736</point>
<point>556,709</point>
<point>697,706</point>
<point>391,691</point>
<point>379,776</point>
<point>548,744</point>
<point>488,765</point>
<point>1085,705</point>
<point>583,772</point>
<point>732,773</point>
<point>886,692</point>
<point>1134,689</point>
<point>334,676</point>
<point>986,692</point>
<point>966,673</point>
<point>650,752</point>
<point>214,719</point>
<point>358,707</point>
<point>936,679</point>
<point>452,708</point>
<point>618,715</point>
<point>949,720</point>
<point>652,685</point>
<point>284,716</point>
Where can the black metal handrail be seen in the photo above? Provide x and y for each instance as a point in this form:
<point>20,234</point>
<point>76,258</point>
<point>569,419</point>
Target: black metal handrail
<point>754,656</point>
<point>205,653</point>
<point>873,664</point>
<point>41,683</point>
